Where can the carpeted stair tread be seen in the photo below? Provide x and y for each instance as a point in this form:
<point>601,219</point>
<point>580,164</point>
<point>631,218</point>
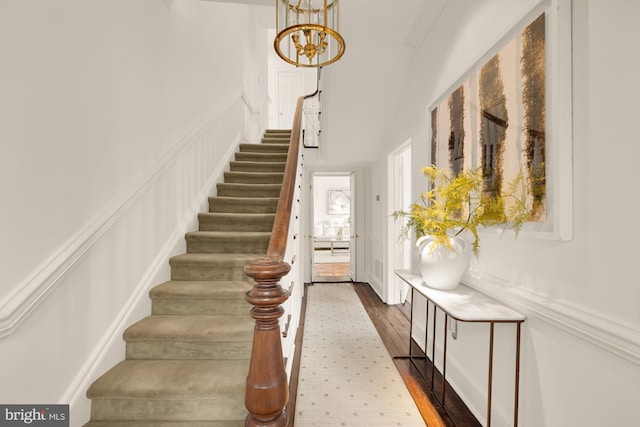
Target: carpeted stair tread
<point>257,166</point>
<point>170,390</point>
<point>190,337</point>
<point>253,177</point>
<point>224,267</point>
<point>194,327</point>
<point>243,204</point>
<point>277,134</point>
<point>200,297</point>
<point>200,289</point>
<point>169,379</point>
<point>237,423</point>
<point>186,363</point>
<point>236,242</point>
<point>232,189</point>
<point>214,221</point>
<point>263,148</point>
<point>260,157</point>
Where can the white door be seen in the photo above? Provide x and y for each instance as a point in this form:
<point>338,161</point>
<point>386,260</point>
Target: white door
<point>290,88</point>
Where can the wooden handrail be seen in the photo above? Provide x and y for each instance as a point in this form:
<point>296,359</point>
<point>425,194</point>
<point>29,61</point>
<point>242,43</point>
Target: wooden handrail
<point>279,234</point>
<point>267,390</point>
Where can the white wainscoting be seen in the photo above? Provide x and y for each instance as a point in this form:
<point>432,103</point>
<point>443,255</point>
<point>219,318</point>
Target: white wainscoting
<point>138,231</point>
<point>621,340</point>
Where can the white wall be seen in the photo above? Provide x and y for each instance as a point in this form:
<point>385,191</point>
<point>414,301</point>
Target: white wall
<point>581,341</point>
<point>321,187</point>
<point>116,119</point>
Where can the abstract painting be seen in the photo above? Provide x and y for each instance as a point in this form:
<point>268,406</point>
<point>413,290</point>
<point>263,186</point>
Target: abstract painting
<point>495,120</point>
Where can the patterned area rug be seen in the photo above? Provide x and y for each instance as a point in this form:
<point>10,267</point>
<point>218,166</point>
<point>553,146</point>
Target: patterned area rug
<point>347,377</point>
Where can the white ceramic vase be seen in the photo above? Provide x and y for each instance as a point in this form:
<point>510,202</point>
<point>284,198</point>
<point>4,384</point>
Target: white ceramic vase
<point>442,267</point>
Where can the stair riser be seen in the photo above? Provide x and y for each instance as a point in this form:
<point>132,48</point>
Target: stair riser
<point>277,135</point>
<point>243,205</point>
<point>199,306</point>
<point>276,140</point>
<point>253,177</point>
<point>257,166</point>
<point>248,190</point>
<point>198,244</point>
<point>229,408</point>
<point>261,157</point>
<point>177,350</point>
<point>184,271</point>
<point>235,223</point>
<point>263,148</point>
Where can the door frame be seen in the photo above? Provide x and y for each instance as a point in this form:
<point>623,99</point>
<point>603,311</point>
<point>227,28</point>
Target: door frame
<point>399,254</point>
<point>354,183</point>
<point>288,96</point>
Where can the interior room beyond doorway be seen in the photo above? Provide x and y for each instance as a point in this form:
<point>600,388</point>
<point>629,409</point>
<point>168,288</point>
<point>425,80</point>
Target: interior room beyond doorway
<point>332,242</point>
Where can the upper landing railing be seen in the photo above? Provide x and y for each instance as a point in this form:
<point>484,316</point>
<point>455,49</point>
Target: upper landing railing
<point>312,116</point>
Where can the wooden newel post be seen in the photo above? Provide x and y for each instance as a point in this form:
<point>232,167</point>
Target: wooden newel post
<point>267,390</point>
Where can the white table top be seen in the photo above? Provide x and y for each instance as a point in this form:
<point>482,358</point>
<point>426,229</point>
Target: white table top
<point>463,303</point>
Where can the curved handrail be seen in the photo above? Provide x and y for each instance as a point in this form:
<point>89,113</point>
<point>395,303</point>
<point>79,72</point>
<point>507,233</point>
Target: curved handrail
<point>267,391</point>
<point>317,92</point>
<point>311,132</point>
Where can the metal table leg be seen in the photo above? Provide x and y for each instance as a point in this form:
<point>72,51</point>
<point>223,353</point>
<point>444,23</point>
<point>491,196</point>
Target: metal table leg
<point>490,374</point>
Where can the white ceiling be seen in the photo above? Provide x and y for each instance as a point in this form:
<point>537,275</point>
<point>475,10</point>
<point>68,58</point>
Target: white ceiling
<point>362,88</point>
<point>378,22</point>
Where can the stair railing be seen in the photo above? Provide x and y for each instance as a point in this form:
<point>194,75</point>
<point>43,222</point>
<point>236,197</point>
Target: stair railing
<point>312,115</point>
<point>267,390</point>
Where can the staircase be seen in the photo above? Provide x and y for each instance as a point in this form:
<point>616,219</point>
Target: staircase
<point>186,364</point>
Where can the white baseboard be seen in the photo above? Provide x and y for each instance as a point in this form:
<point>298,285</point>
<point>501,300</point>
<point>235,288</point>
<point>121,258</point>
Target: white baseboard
<point>377,286</point>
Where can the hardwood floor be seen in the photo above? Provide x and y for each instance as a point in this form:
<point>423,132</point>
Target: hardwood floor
<point>392,323</point>
<point>330,270</point>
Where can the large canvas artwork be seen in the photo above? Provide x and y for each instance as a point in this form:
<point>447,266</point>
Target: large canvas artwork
<point>496,119</point>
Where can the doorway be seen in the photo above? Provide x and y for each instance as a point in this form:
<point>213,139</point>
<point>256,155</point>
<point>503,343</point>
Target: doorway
<point>333,240</point>
<point>399,251</point>
<point>290,87</point>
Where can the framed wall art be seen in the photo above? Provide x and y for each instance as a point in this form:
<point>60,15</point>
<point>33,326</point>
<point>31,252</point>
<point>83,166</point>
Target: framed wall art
<point>339,202</point>
<point>511,114</point>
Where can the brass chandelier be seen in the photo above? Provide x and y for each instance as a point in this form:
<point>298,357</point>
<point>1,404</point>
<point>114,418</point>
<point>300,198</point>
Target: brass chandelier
<point>307,32</point>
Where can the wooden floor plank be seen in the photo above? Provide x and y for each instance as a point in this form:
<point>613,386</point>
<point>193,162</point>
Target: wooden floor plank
<point>393,323</point>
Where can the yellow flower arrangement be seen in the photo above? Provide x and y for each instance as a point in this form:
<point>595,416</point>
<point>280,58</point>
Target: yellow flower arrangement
<point>453,205</point>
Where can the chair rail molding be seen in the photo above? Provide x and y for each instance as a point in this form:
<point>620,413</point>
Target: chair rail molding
<point>620,339</point>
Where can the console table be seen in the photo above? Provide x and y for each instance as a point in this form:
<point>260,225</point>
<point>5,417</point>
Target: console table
<point>464,305</point>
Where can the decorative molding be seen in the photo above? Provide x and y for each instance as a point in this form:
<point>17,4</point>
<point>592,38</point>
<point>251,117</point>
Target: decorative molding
<point>34,289</point>
<point>608,334</point>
